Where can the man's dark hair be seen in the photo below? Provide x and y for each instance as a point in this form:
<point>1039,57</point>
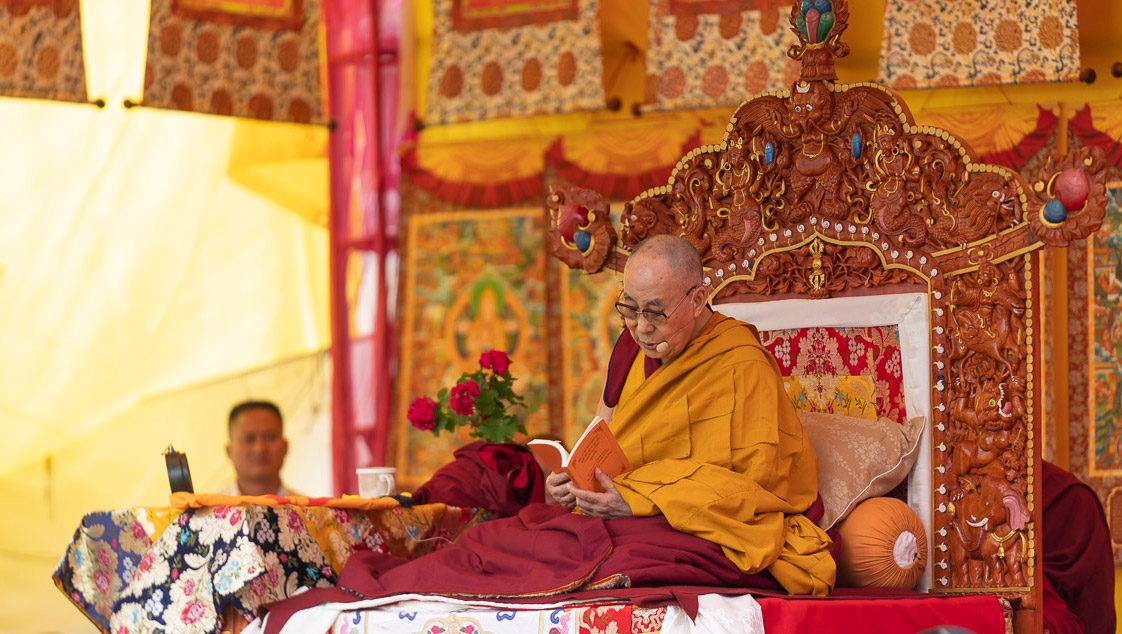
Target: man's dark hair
<point>248,405</point>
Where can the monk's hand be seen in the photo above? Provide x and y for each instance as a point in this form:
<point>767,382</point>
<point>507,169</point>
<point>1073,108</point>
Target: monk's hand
<point>607,505</point>
<point>560,488</point>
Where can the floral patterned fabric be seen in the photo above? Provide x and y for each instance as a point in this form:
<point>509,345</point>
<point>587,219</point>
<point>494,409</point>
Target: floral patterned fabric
<point>166,570</point>
<point>606,618</point>
<point>235,57</point>
<point>703,53</point>
<point>929,43</point>
<point>507,58</point>
<point>41,50</point>
<point>852,371</point>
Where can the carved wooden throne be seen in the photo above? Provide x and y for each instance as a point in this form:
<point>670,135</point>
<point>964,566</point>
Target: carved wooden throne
<point>831,190</point>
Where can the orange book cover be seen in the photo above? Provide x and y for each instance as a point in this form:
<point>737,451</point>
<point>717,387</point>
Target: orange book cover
<point>596,447</point>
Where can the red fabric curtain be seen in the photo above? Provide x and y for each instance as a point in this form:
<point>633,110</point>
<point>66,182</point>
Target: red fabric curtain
<point>362,71</point>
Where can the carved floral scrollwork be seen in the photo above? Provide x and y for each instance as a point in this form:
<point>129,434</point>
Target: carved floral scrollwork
<point>580,228</point>
<point>817,269</point>
<point>986,427</point>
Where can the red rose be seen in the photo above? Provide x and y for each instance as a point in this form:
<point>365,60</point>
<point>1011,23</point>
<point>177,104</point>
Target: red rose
<point>422,411</point>
<point>495,360</point>
<point>462,398</point>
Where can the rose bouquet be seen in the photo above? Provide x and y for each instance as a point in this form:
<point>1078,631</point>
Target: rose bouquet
<point>483,399</point>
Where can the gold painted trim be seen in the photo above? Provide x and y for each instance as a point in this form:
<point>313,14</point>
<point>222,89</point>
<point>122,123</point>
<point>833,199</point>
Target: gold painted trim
<point>791,247</point>
<point>1008,256</point>
<point>1021,226</point>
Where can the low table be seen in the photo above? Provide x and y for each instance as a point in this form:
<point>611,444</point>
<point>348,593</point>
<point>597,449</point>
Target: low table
<point>171,570</point>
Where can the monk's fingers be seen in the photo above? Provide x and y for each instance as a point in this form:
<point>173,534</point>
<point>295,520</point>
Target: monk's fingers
<point>605,480</point>
<point>590,502</point>
<point>557,479</point>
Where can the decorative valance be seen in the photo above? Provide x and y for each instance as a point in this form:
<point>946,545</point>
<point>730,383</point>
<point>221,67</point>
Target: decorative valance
<point>623,162</point>
<point>41,50</point>
<point>479,175</point>
<point>1100,127</point>
<point>933,43</point>
<point>506,58</point>
<point>1006,135</point>
<point>717,52</point>
<point>244,58</point>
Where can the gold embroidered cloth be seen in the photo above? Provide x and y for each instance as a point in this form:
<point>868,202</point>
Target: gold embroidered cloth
<point>703,53</point>
<point>507,58</point>
<point>41,50</point>
<point>930,43</point>
<point>246,58</point>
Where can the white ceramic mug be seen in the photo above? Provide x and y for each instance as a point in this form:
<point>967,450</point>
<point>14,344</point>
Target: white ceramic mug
<point>376,482</point>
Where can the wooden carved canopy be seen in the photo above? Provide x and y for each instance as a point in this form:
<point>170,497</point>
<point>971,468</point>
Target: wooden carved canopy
<point>829,189</point>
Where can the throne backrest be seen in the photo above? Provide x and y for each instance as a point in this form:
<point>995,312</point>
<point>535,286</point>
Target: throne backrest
<point>832,191</point>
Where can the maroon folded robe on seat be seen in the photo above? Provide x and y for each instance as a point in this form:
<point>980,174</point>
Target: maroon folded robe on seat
<point>1078,559</point>
<point>543,551</point>
<point>501,478</point>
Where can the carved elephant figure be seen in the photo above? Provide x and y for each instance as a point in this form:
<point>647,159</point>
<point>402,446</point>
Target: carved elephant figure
<point>987,541</point>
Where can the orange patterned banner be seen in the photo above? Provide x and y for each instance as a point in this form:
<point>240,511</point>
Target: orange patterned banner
<point>933,43</point>
<point>274,14</point>
<point>716,52</point>
<point>501,58</point>
<point>474,15</point>
<point>41,50</point>
<point>245,58</point>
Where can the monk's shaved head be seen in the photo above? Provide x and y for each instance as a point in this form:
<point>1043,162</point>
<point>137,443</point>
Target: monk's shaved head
<point>663,302</point>
<point>675,254</point>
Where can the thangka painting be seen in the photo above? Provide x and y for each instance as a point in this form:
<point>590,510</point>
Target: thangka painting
<point>473,282</point>
<point>1095,359</point>
<point>851,371</point>
<point>41,50</point>
<point>1105,440</point>
<point>703,53</point>
<point>934,43</point>
<point>246,58</point>
<point>509,58</point>
<point>589,328</point>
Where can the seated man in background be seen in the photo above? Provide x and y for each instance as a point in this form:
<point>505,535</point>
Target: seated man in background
<point>257,449</point>
<point>703,417</point>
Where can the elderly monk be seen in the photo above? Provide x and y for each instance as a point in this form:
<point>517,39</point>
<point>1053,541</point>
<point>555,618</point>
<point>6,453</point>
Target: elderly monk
<point>715,444</point>
<point>722,474</point>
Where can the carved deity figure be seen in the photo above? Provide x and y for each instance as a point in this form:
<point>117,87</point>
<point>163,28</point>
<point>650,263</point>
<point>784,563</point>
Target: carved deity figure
<point>817,183</point>
<point>987,542</point>
<point>892,172</point>
<point>987,201</point>
<point>986,317</point>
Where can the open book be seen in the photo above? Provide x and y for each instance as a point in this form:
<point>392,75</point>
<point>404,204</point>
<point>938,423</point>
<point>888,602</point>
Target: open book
<point>596,447</point>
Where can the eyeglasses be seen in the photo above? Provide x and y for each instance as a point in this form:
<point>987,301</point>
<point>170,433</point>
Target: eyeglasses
<point>654,317</point>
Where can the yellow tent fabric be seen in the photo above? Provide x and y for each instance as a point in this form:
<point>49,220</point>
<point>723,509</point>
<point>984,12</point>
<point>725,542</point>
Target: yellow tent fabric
<point>145,286</point>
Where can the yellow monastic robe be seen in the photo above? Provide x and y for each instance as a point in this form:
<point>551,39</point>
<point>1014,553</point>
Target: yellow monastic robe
<point>717,448</point>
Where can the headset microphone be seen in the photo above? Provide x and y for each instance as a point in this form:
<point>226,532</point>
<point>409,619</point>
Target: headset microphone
<point>664,346</point>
